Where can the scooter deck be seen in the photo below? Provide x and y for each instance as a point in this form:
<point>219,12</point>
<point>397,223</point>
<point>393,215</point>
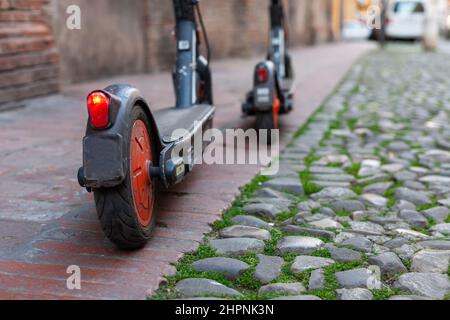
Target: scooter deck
<point>172,121</point>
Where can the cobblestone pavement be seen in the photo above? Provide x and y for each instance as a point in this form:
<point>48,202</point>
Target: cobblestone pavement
<point>360,208</point>
<point>48,223</point>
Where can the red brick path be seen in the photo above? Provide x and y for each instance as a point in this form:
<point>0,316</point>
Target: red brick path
<point>48,223</point>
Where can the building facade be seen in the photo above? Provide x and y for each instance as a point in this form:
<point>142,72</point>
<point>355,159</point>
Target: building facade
<point>38,52</point>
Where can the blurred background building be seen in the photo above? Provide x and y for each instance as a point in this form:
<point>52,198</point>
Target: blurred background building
<point>38,53</point>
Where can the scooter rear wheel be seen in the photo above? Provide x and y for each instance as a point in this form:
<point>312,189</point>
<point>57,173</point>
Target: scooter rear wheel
<point>127,212</point>
<point>269,120</point>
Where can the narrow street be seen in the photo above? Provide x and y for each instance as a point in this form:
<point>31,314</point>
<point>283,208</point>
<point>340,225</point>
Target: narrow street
<point>47,222</point>
<point>360,209</point>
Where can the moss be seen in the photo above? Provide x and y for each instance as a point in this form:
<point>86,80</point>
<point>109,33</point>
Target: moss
<point>343,213</point>
<point>308,186</point>
<point>346,224</point>
<point>407,263</point>
<point>424,207</point>
<point>311,188</point>
<point>335,125</point>
<point>415,163</point>
<point>390,193</point>
<point>358,189</point>
<point>227,218</point>
<point>335,165</point>
<point>376,129</point>
<point>287,276</point>
<point>356,89</point>
<point>387,293</point>
<point>311,158</point>
<point>185,271</point>
<point>431,222</point>
<point>351,123</point>
<point>286,215</point>
<point>253,186</point>
<point>324,294</point>
<point>271,245</point>
<point>301,131</point>
<point>422,230</point>
<point>247,279</point>
<point>331,284</point>
<point>354,169</point>
<point>322,253</point>
<point>236,208</point>
<point>391,202</point>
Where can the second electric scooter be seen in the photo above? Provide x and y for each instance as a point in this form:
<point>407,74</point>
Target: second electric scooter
<point>273,88</point>
<point>128,148</point>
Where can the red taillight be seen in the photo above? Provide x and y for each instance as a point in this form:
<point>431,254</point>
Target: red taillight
<point>98,106</point>
<point>262,75</point>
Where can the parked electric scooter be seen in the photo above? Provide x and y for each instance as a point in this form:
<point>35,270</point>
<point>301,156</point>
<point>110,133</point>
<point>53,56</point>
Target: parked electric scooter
<point>128,148</point>
<point>272,93</point>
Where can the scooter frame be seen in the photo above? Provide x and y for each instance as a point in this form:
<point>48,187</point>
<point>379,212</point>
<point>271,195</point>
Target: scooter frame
<point>107,153</point>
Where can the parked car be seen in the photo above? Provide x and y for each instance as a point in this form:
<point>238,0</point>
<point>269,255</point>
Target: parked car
<point>355,30</point>
<point>448,27</point>
<point>406,19</point>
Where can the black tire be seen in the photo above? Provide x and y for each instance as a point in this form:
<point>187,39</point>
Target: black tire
<point>115,206</point>
<point>265,121</point>
<point>289,68</point>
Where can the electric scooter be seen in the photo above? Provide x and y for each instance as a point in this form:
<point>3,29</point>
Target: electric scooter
<point>273,90</point>
<point>129,150</point>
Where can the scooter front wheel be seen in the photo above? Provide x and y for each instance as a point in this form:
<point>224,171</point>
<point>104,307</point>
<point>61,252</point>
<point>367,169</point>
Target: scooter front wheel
<point>127,212</point>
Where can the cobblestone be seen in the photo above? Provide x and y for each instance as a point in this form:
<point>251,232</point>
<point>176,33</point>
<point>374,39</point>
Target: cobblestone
<point>370,189</point>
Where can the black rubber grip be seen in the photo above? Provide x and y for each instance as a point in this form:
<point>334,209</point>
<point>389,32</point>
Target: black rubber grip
<point>184,10</point>
<point>276,15</point>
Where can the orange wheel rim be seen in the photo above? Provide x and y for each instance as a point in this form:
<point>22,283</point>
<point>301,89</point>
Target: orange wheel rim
<point>276,112</point>
<point>141,183</point>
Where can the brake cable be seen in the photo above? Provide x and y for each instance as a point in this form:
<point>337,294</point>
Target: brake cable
<point>205,34</point>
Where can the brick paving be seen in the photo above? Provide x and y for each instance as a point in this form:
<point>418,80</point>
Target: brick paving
<point>47,222</point>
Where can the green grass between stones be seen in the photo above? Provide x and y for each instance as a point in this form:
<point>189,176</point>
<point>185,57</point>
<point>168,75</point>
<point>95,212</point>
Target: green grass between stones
<point>239,203</point>
<point>354,169</point>
<point>387,293</point>
<point>308,186</point>
<point>331,283</point>
<point>246,283</point>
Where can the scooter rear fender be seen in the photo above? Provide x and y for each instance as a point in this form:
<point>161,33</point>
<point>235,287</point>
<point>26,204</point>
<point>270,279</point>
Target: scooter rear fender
<point>106,151</point>
<point>264,92</point>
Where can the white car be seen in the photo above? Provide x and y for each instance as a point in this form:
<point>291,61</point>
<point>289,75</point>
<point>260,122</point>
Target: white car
<point>448,27</point>
<point>355,30</point>
<point>406,19</point>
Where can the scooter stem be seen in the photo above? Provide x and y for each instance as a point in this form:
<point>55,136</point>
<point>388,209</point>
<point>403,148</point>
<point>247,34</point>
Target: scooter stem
<point>278,37</point>
<point>187,53</point>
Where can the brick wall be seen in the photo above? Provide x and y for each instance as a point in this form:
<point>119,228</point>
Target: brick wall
<point>110,41</point>
<point>236,27</point>
<point>28,55</point>
<point>119,36</point>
